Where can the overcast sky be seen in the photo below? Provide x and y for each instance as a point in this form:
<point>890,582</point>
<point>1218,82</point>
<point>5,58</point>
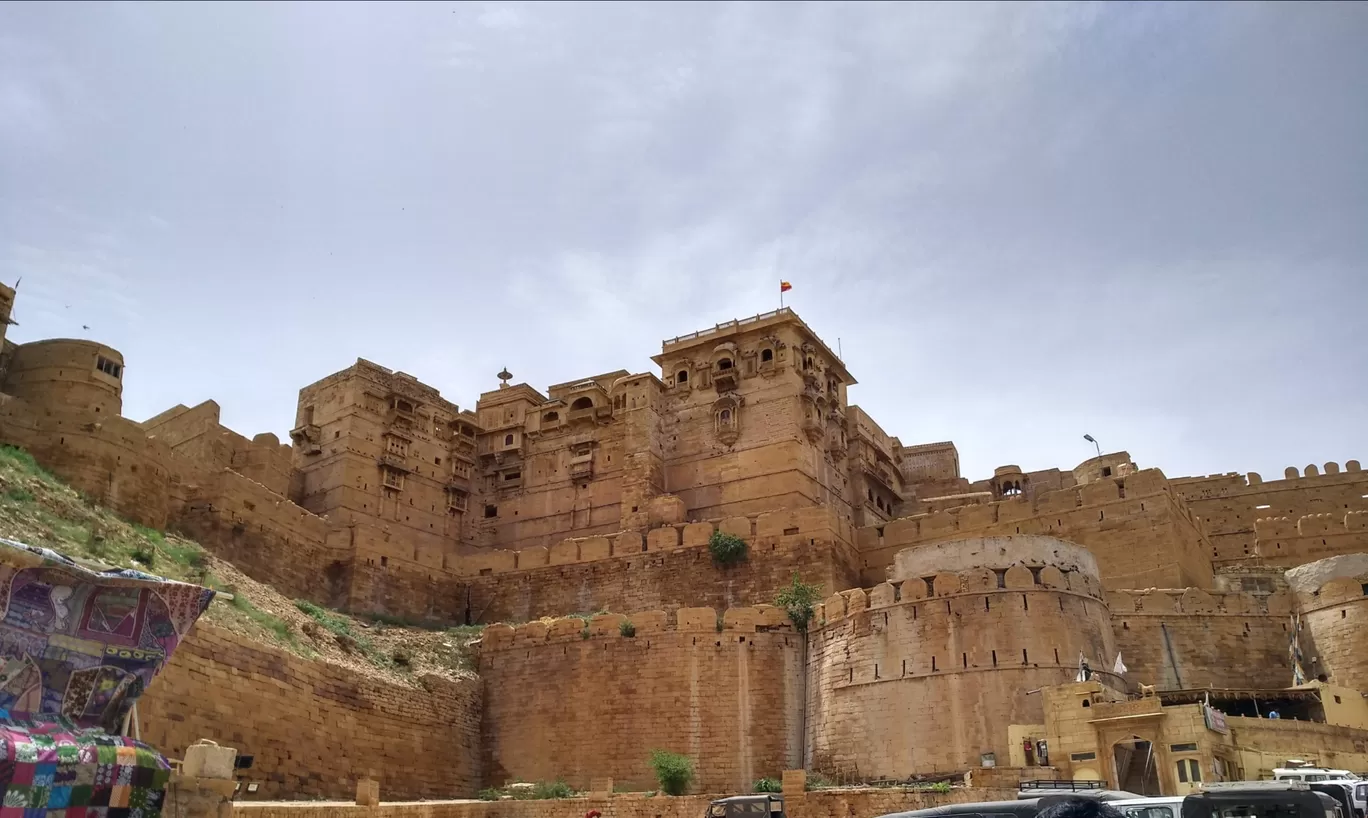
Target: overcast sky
<point>1147,222</point>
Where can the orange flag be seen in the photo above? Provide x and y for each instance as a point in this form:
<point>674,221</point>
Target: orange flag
<point>784,286</point>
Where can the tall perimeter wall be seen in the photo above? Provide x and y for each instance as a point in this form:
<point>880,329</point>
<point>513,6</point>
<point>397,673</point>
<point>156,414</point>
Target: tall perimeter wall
<point>576,699</point>
<point>1142,534</point>
<point>315,728</point>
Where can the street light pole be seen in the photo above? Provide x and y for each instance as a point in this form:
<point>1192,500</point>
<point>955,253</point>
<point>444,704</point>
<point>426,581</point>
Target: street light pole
<point>1094,442</point>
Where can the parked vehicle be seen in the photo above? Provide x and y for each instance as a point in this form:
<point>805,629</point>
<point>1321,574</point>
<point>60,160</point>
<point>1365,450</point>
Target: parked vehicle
<point>760,805</point>
<point>1261,799</point>
<point>1168,806</point>
<point>1030,802</point>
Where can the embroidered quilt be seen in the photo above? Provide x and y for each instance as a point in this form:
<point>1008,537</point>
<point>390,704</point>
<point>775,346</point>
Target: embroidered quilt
<point>51,768</point>
<point>83,644</point>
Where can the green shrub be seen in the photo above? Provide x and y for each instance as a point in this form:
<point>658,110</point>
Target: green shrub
<point>19,494</point>
<point>490,794</point>
<point>551,789</point>
<point>727,549</point>
<point>673,771</point>
<point>145,554</point>
<point>768,785</point>
<point>626,628</point>
<point>817,781</point>
<point>799,600</point>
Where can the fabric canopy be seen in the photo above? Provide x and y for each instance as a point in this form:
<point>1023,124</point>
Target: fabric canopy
<point>83,644</point>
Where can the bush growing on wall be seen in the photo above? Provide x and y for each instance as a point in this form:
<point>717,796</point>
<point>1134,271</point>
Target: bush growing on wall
<point>768,785</point>
<point>673,771</point>
<point>727,549</point>
<point>799,600</point>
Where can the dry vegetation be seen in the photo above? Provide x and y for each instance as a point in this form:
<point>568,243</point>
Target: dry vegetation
<point>38,509</point>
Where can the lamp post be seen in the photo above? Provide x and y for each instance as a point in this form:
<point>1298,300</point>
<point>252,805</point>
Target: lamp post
<point>1094,442</point>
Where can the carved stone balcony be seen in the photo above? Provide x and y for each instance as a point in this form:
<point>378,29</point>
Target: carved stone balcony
<point>390,460</point>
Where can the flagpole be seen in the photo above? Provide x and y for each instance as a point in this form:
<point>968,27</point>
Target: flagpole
<point>781,293</point>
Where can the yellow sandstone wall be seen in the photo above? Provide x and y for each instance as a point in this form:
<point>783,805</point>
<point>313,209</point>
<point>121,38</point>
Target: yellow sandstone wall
<point>1185,638</point>
<point>1141,533</point>
<point>925,673</point>
<point>819,804</point>
<point>577,700</point>
<point>315,728</point>
<point>1307,515</point>
<point>1333,597</point>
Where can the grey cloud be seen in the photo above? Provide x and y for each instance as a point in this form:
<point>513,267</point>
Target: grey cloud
<point>1023,221</point>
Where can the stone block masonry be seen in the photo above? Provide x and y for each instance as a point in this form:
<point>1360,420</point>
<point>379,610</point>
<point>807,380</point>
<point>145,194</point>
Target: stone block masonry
<point>578,699</point>
<point>315,728</point>
<point>842,803</point>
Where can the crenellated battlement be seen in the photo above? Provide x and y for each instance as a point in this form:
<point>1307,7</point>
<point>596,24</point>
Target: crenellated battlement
<point>1195,601</point>
<point>1113,517</point>
<point>1311,525</point>
<point>1018,578</point>
<point>757,619</point>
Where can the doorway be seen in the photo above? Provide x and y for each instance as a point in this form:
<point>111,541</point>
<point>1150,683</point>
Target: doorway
<point>1137,770</point>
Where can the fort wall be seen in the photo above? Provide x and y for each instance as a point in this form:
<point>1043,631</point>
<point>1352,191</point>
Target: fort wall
<point>925,674</point>
<point>836,803</point>
<point>1141,533</point>
<point>108,459</point>
<point>1247,517</point>
<point>670,567</point>
<point>315,728</point>
<point>1333,597</point>
<point>1188,637</point>
<point>577,699</point>
<point>63,373</point>
<point>197,434</point>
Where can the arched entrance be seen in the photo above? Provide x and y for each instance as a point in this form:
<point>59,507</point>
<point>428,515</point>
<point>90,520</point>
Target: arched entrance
<point>1137,770</point>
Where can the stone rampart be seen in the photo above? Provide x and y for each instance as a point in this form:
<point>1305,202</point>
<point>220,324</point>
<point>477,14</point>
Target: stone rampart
<point>1333,598</point>
<point>1188,637</point>
<point>1234,507</point>
<point>837,803</point>
<point>925,674</point>
<point>671,566</point>
<point>580,699</point>
<point>315,728</point>
<point>1141,533</point>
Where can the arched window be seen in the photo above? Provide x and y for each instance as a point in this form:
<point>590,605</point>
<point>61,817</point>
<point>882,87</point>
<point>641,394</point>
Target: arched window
<point>807,363</point>
<point>766,355</point>
<point>551,417</point>
<point>682,377</point>
<point>725,363</point>
<point>724,416</point>
<point>508,440</point>
<point>582,403</point>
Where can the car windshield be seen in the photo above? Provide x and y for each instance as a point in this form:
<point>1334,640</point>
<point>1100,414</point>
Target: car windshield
<point>1149,812</point>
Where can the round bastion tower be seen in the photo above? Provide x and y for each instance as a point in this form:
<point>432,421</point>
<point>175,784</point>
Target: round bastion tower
<point>68,375</point>
<point>924,673</point>
<point>1332,596</point>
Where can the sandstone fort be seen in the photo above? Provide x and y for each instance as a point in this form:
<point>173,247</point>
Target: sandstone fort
<point>968,623</point>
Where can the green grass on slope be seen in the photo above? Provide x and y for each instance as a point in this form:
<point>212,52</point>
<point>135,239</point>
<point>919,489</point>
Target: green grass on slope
<point>38,509</point>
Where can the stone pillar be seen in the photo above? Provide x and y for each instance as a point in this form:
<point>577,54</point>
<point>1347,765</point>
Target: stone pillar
<point>368,791</point>
<point>204,786</point>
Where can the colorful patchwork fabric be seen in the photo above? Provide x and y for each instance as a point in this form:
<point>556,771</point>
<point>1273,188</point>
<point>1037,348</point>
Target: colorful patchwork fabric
<point>83,644</point>
<point>52,768</point>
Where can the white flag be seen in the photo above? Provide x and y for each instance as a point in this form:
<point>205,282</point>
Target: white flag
<point>1120,667</point>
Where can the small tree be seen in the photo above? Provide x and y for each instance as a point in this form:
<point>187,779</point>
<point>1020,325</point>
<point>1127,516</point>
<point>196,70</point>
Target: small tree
<point>673,771</point>
<point>727,549</point>
<point>799,600</point>
<point>626,628</point>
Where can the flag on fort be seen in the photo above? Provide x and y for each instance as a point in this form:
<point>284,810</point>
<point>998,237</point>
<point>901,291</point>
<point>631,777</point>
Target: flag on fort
<point>1119,668</point>
<point>784,286</point>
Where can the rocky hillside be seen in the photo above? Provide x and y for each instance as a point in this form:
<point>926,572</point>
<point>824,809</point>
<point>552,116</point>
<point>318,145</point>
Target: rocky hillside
<point>38,509</point>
